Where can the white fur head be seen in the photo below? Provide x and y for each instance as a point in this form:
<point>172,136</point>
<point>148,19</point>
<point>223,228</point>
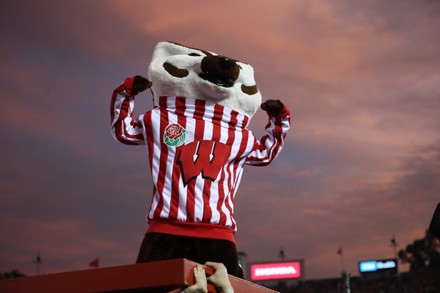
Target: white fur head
<point>177,70</point>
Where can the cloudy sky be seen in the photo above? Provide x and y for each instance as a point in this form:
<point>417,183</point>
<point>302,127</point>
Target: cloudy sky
<point>360,164</point>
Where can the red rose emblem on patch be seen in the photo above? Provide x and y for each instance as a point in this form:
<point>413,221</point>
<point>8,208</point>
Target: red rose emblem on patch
<point>174,135</point>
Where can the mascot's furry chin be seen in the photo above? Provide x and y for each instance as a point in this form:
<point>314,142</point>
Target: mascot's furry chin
<point>198,142</point>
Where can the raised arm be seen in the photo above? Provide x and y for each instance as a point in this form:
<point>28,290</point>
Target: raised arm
<point>124,127</point>
<point>269,146</point>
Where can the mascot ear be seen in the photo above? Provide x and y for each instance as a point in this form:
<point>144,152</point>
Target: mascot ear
<point>140,84</point>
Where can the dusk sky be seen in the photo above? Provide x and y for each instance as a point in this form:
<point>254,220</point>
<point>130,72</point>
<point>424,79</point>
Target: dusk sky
<point>361,162</point>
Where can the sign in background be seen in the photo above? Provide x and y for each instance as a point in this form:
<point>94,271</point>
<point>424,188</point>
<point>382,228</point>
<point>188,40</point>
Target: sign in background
<point>377,266</point>
<point>275,271</point>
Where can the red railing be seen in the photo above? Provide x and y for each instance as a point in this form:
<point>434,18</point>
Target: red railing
<point>161,276</point>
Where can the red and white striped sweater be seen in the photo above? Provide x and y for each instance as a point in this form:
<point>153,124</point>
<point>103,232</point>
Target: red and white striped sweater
<point>196,151</point>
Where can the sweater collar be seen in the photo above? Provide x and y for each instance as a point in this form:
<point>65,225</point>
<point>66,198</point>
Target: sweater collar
<point>201,109</point>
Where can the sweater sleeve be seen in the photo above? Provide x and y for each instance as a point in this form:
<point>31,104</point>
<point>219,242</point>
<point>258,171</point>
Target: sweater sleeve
<point>268,147</point>
<point>124,127</point>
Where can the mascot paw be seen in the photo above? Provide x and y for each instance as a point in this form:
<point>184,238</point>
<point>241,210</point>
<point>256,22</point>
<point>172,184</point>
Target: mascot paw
<point>140,84</point>
<point>273,107</point>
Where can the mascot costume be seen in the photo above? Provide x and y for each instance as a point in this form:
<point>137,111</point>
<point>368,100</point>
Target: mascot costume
<point>198,142</point>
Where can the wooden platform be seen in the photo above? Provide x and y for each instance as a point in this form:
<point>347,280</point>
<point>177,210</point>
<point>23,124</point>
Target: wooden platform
<point>161,276</point>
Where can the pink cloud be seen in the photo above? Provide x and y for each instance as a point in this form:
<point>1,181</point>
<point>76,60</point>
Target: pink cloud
<point>63,244</point>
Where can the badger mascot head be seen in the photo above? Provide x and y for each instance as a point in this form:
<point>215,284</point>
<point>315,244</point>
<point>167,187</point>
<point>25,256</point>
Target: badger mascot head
<point>177,70</point>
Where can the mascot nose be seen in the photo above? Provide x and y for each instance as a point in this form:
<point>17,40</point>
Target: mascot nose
<point>219,70</point>
<point>220,65</point>
<point>225,62</point>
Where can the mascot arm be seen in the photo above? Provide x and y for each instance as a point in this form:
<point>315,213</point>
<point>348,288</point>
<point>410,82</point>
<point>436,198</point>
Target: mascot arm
<point>124,127</point>
<point>268,147</point>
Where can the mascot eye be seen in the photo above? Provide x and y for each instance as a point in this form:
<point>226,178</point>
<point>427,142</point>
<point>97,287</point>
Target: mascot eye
<point>194,54</point>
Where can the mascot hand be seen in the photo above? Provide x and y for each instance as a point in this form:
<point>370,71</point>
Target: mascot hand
<point>273,107</point>
<point>140,84</point>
